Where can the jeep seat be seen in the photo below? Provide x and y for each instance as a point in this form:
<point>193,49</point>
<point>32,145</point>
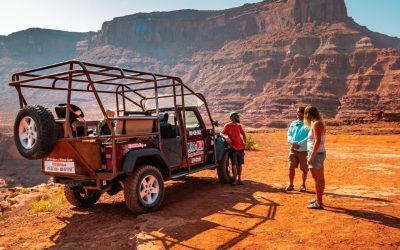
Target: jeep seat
<point>166,128</point>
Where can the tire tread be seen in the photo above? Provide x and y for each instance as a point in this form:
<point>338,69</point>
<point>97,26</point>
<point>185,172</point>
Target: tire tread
<point>131,194</point>
<point>47,131</point>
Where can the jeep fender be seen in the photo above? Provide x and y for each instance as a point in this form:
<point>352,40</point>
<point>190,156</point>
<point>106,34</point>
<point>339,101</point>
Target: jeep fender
<point>153,155</point>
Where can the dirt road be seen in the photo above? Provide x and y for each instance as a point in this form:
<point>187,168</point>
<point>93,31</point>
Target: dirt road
<point>362,207</point>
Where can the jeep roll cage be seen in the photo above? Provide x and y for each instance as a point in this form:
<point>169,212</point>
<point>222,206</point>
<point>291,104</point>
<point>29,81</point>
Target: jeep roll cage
<point>129,87</point>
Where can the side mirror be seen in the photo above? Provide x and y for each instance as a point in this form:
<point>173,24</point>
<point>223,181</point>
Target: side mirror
<point>215,123</point>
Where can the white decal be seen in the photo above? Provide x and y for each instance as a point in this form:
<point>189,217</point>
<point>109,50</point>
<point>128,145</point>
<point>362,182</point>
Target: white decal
<point>195,159</point>
<point>137,145</point>
<point>194,132</point>
<point>59,166</point>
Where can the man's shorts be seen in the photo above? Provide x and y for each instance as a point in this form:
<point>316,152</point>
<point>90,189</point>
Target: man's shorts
<point>297,158</point>
<point>237,156</point>
<point>318,160</point>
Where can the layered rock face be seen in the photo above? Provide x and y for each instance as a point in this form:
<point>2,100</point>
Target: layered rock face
<point>262,59</point>
<point>30,49</point>
<point>178,33</point>
<point>39,46</point>
<point>265,59</point>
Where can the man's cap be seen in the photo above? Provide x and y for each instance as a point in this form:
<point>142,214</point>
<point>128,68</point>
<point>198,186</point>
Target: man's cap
<point>232,114</point>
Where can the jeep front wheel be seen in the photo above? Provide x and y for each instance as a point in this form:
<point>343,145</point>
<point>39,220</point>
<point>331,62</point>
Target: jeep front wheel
<point>35,132</point>
<point>144,189</point>
<point>79,198</point>
<point>224,169</point>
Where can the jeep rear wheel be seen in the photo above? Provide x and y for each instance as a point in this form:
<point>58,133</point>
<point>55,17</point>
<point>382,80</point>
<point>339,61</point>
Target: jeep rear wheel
<point>224,170</point>
<point>35,132</point>
<point>144,189</point>
<point>79,198</point>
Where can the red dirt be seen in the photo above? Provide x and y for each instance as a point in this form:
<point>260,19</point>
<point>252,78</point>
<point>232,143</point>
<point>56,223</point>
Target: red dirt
<point>362,208</point>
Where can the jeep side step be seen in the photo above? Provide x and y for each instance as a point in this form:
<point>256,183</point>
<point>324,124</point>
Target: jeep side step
<point>192,170</point>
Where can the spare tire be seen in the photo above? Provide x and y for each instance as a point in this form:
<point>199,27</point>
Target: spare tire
<point>224,169</point>
<point>35,132</point>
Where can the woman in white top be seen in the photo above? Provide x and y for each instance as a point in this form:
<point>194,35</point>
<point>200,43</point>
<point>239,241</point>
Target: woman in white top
<point>316,152</point>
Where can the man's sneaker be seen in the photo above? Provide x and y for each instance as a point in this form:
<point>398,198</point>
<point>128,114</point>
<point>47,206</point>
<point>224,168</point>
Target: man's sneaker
<point>234,183</point>
<point>303,188</point>
<point>289,188</point>
<point>240,182</point>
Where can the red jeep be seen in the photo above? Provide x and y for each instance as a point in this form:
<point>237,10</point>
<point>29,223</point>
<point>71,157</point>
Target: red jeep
<point>158,132</point>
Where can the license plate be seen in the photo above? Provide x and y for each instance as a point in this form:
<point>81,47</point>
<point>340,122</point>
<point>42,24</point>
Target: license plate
<point>59,166</point>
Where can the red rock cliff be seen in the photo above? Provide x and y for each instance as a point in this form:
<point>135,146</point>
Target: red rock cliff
<point>265,58</point>
<point>262,59</point>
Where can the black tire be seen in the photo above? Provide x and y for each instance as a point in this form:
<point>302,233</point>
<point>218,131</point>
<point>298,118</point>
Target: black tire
<point>133,189</point>
<point>224,170</point>
<point>79,198</point>
<point>116,187</point>
<point>38,125</point>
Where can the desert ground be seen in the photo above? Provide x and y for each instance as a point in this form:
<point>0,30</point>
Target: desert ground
<point>362,207</point>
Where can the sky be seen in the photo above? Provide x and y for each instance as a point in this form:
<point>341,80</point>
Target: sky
<point>88,15</point>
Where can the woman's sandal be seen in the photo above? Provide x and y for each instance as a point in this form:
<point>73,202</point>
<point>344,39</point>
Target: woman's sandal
<point>313,201</point>
<point>315,205</point>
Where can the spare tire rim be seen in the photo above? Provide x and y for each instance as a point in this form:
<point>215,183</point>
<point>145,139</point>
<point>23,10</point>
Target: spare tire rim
<point>149,190</point>
<point>27,132</point>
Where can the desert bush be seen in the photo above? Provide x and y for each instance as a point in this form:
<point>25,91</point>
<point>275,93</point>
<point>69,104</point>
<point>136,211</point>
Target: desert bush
<point>48,202</point>
<point>250,144</point>
<point>25,191</point>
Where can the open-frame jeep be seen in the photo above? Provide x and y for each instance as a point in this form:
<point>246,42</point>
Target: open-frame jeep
<point>158,133</point>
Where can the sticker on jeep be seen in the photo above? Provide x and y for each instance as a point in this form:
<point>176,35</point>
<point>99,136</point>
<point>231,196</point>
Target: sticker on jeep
<point>195,148</point>
<point>195,160</point>
<point>137,145</point>
<point>194,132</point>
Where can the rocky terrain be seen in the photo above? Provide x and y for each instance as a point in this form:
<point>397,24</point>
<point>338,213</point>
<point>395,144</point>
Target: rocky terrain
<point>361,208</point>
<point>261,59</point>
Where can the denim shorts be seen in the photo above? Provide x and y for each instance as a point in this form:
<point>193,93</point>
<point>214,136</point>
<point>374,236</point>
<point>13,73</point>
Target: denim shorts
<point>318,160</point>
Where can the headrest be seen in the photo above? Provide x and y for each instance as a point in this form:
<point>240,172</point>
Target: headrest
<point>163,117</point>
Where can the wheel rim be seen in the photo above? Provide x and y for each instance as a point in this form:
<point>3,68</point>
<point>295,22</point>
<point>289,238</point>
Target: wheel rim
<point>149,190</point>
<point>27,132</point>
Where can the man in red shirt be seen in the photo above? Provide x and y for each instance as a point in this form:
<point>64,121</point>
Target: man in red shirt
<point>236,138</point>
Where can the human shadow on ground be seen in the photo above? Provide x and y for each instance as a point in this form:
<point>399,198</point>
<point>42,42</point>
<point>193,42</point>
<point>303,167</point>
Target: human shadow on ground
<point>335,195</point>
<point>356,197</point>
<point>373,216</point>
<point>189,209</point>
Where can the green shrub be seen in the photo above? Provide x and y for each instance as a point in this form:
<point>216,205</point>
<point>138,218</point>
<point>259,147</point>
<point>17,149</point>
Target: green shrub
<point>48,202</point>
<point>250,144</point>
<point>25,191</point>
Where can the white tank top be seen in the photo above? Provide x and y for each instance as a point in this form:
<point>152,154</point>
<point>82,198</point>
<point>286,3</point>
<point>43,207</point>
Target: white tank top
<point>311,141</point>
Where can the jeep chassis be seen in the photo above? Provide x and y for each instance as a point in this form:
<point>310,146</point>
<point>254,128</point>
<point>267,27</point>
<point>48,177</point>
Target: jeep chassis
<point>144,146</point>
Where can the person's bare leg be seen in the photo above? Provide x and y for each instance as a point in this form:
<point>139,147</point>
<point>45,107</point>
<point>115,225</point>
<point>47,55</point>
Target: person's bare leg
<point>304,177</point>
<point>323,180</point>
<point>317,173</point>
<point>239,169</point>
<point>235,174</point>
<point>291,176</point>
